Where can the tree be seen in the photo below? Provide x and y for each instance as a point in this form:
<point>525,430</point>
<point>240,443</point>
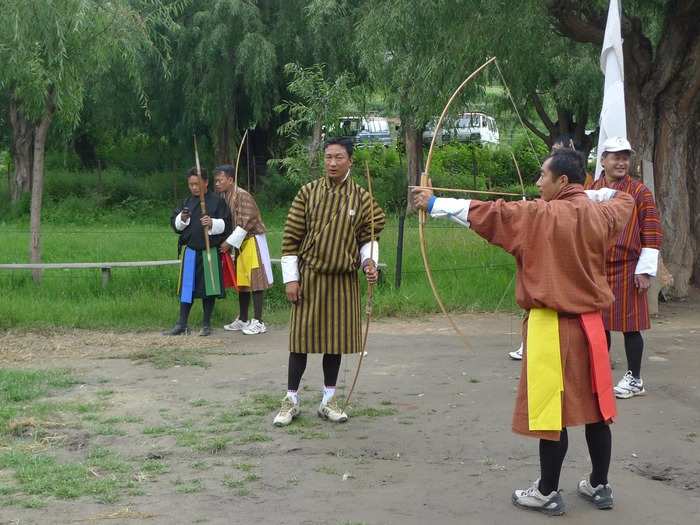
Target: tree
<point>554,81</point>
<point>662,83</point>
<point>416,53</point>
<point>49,51</point>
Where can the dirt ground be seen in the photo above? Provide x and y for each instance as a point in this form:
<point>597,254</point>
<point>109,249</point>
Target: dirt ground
<point>436,447</point>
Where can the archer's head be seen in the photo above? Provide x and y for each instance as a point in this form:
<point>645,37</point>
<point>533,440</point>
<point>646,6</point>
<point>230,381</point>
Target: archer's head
<point>337,157</point>
<point>224,177</point>
<point>561,168</point>
<point>193,181</point>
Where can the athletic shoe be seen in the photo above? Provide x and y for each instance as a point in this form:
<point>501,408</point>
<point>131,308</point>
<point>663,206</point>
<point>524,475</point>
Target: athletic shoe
<point>205,331</point>
<point>601,496</point>
<point>178,329</point>
<point>517,355</point>
<point>629,386</point>
<point>255,327</point>
<point>236,325</point>
<point>332,412</point>
<point>287,413</point>
<point>532,499</point>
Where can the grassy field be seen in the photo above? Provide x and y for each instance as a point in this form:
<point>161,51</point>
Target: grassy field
<point>470,275</point>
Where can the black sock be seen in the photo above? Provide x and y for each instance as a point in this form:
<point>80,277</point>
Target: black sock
<point>258,304</point>
<point>552,454</point>
<point>634,347</point>
<point>331,367</point>
<point>608,338</point>
<point>599,439</point>
<point>208,307</point>
<point>297,365</point>
<point>184,313</point>
<point>243,303</point>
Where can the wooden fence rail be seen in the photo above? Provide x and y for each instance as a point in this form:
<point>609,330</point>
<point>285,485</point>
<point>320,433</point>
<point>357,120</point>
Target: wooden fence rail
<point>104,267</point>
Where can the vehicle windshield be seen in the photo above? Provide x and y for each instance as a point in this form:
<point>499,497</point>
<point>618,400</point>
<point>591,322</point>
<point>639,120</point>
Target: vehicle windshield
<point>377,126</point>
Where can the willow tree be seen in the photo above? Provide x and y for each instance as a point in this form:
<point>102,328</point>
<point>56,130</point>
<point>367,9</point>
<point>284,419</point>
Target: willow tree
<point>416,53</point>
<point>49,51</point>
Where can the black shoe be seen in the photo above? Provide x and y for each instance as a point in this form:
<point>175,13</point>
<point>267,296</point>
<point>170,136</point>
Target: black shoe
<point>205,331</point>
<point>178,329</point>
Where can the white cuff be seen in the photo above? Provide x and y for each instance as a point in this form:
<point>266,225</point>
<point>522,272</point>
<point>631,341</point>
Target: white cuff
<point>648,262</point>
<point>237,237</point>
<point>369,250</point>
<point>217,227</point>
<point>601,195</point>
<point>180,224</point>
<point>455,209</point>
<point>290,268</point>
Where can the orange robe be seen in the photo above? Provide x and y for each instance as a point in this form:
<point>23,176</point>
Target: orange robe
<point>559,247</point>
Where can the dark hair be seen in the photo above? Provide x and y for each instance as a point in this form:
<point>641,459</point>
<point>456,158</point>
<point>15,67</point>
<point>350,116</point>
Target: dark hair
<point>340,141</point>
<point>192,172</point>
<point>568,162</point>
<point>226,169</point>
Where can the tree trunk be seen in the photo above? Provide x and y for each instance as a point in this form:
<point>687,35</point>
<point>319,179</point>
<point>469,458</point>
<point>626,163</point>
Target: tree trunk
<point>414,155</point>
<point>21,149</point>
<point>662,112</point>
<point>316,138</point>
<point>38,190</point>
<point>662,88</point>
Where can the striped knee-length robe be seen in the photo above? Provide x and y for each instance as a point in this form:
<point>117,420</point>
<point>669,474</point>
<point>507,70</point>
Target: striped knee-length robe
<point>326,227</point>
<point>629,311</point>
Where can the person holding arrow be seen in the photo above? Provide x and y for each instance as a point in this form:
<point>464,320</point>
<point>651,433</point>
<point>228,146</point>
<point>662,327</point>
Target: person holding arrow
<point>203,223</point>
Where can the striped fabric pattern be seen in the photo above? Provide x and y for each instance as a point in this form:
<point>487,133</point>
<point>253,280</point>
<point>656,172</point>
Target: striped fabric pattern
<point>325,228</point>
<point>630,310</point>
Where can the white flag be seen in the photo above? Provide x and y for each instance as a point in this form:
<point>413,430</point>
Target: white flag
<point>613,122</point>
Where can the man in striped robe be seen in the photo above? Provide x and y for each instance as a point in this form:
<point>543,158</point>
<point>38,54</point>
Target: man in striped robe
<point>327,238</point>
<point>631,263</point>
<point>247,246</point>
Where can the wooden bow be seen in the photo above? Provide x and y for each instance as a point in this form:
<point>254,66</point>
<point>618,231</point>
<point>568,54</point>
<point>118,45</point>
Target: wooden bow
<point>370,287</point>
<point>425,182</point>
<point>238,163</point>
<point>203,207</point>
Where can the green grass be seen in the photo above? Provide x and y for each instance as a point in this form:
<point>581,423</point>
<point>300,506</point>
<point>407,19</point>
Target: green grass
<point>470,275</point>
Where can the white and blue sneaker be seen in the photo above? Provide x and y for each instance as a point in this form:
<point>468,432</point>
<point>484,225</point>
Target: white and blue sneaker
<point>629,386</point>
<point>532,499</point>
<point>601,496</point>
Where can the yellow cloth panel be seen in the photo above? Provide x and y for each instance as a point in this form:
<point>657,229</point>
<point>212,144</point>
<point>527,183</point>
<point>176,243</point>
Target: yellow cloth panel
<point>246,262</point>
<point>545,381</point>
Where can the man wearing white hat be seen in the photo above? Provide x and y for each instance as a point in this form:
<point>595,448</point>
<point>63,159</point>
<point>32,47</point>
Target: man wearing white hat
<point>631,262</point>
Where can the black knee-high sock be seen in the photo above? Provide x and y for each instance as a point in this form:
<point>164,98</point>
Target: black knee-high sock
<point>258,304</point>
<point>608,338</point>
<point>331,367</point>
<point>243,303</point>
<point>552,454</point>
<point>208,308</point>
<point>599,439</point>
<point>184,313</point>
<point>297,365</point>
<point>634,348</point>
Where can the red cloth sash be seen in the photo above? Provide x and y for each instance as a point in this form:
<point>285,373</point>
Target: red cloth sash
<point>601,375</point>
<point>229,271</point>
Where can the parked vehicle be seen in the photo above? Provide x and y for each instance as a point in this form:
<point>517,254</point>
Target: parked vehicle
<point>366,131</point>
<point>467,127</point>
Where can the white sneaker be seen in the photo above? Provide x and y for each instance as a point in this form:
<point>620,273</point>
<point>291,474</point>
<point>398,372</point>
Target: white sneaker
<point>288,411</point>
<point>517,355</point>
<point>255,327</point>
<point>532,499</point>
<point>332,412</point>
<point>629,386</point>
<point>601,496</point>
<point>237,325</point>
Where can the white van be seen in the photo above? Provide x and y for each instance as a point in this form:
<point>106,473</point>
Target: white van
<point>467,127</point>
